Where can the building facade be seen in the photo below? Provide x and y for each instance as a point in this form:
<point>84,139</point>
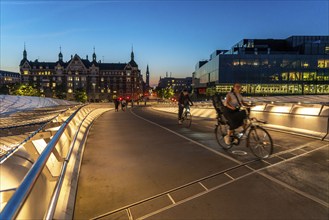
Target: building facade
<point>7,77</point>
<point>101,81</point>
<point>177,84</point>
<point>296,65</point>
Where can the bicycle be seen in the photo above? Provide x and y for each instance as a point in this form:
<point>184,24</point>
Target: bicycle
<point>187,117</point>
<point>258,140</point>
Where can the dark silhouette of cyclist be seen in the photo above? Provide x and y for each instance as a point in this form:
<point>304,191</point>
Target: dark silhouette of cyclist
<point>233,103</point>
<point>184,101</point>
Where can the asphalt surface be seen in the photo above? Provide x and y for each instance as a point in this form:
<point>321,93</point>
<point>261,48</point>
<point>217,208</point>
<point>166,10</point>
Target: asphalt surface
<point>140,164</point>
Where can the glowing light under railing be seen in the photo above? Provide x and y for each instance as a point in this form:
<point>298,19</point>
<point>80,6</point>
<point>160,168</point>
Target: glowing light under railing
<point>280,109</point>
<point>307,111</point>
<point>258,108</point>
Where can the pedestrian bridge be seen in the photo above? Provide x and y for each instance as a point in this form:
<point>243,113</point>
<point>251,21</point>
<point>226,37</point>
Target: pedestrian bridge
<point>90,162</point>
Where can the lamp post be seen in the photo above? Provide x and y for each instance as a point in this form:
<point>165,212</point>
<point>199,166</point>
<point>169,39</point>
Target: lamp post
<point>94,85</point>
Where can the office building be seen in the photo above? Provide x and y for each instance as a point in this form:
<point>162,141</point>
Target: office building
<point>295,65</point>
<point>177,84</point>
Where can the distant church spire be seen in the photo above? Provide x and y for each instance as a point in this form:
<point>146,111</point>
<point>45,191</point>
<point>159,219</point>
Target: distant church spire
<point>94,55</point>
<point>147,76</point>
<point>60,55</point>
<point>24,52</point>
<point>132,56</point>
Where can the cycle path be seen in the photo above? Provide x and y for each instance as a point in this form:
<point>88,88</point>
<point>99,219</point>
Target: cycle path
<point>128,159</point>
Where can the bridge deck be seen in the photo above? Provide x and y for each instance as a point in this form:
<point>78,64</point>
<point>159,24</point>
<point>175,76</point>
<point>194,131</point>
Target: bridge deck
<point>141,164</point>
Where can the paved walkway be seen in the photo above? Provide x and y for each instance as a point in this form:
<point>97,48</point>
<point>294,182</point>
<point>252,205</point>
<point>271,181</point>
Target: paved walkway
<point>141,164</point>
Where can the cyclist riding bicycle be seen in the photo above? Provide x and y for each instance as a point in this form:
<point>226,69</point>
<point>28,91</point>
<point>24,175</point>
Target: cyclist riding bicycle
<point>232,111</point>
<point>184,101</point>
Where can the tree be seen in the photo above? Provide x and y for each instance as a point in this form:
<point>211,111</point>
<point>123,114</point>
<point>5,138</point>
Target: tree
<point>80,95</point>
<point>60,91</point>
<point>4,90</point>
<point>24,90</point>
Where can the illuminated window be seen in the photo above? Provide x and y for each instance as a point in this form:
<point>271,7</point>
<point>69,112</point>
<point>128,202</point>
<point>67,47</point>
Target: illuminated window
<point>102,79</point>
<point>236,63</point>
<point>326,50</point>
<point>26,72</point>
<point>102,90</point>
<point>69,84</point>
<point>284,76</point>
<point>69,78</point>
<point>54,84</point>
<point>35,78</point>
<point>69,90</point>
<point>83,78</point>
<point>323,63</point>
<point>243,62</point>
<point>305,64</point>
<point>77,79</point>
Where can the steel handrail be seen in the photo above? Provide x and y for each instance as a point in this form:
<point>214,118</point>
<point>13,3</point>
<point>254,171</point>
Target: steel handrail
<point>14,149</point>
<point>54,199</point>
<point>16,202</point>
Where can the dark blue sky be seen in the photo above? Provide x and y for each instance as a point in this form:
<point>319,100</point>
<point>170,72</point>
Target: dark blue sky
<point>170,36</point>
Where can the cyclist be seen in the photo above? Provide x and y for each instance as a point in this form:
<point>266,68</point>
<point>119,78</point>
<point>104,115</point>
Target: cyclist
<point>235,117</point>
<point>184,101</point>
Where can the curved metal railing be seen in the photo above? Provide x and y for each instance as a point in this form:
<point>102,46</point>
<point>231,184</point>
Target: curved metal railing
<point>16,202</point>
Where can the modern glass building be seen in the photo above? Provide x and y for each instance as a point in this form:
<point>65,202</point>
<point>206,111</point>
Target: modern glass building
<point>296,65</point>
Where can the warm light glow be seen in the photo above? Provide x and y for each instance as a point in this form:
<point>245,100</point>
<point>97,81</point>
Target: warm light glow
<point>258,108</point>
<point>307,111</point>
<point>281,109</point>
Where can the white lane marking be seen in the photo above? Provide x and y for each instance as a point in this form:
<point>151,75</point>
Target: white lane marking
<point>313,198</point>
<point>309,196</point>
<point>280,157</point>
<point>171,199</point>
<point>266,162</point>
<point>203,186</point>
<point>229,176</point>
<point>186,138</point>
<point>130,216</point>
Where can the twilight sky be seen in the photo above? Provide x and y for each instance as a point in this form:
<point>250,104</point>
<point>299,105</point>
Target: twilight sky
<point>170,36</point>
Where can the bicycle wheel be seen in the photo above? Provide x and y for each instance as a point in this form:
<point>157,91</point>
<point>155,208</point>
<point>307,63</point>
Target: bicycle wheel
<point>221,132</point>
<point>260,142</point>
<point>187,119</point>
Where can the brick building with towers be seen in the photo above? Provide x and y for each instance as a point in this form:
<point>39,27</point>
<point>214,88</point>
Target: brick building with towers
<point>102,81</point>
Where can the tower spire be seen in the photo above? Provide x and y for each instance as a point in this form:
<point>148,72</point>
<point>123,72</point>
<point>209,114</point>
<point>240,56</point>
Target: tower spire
<point>132,56</point>
<point>24,52</point>
<point>147,77</point>
<point>94,55</point>
<point>60,55</point>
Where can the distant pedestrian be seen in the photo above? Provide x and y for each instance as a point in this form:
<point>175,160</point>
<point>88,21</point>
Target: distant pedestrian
<point>123,105</point>
<point>116,104</point>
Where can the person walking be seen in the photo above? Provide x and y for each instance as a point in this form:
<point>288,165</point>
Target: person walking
<point>116,104</point>
<point>123,105</point>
